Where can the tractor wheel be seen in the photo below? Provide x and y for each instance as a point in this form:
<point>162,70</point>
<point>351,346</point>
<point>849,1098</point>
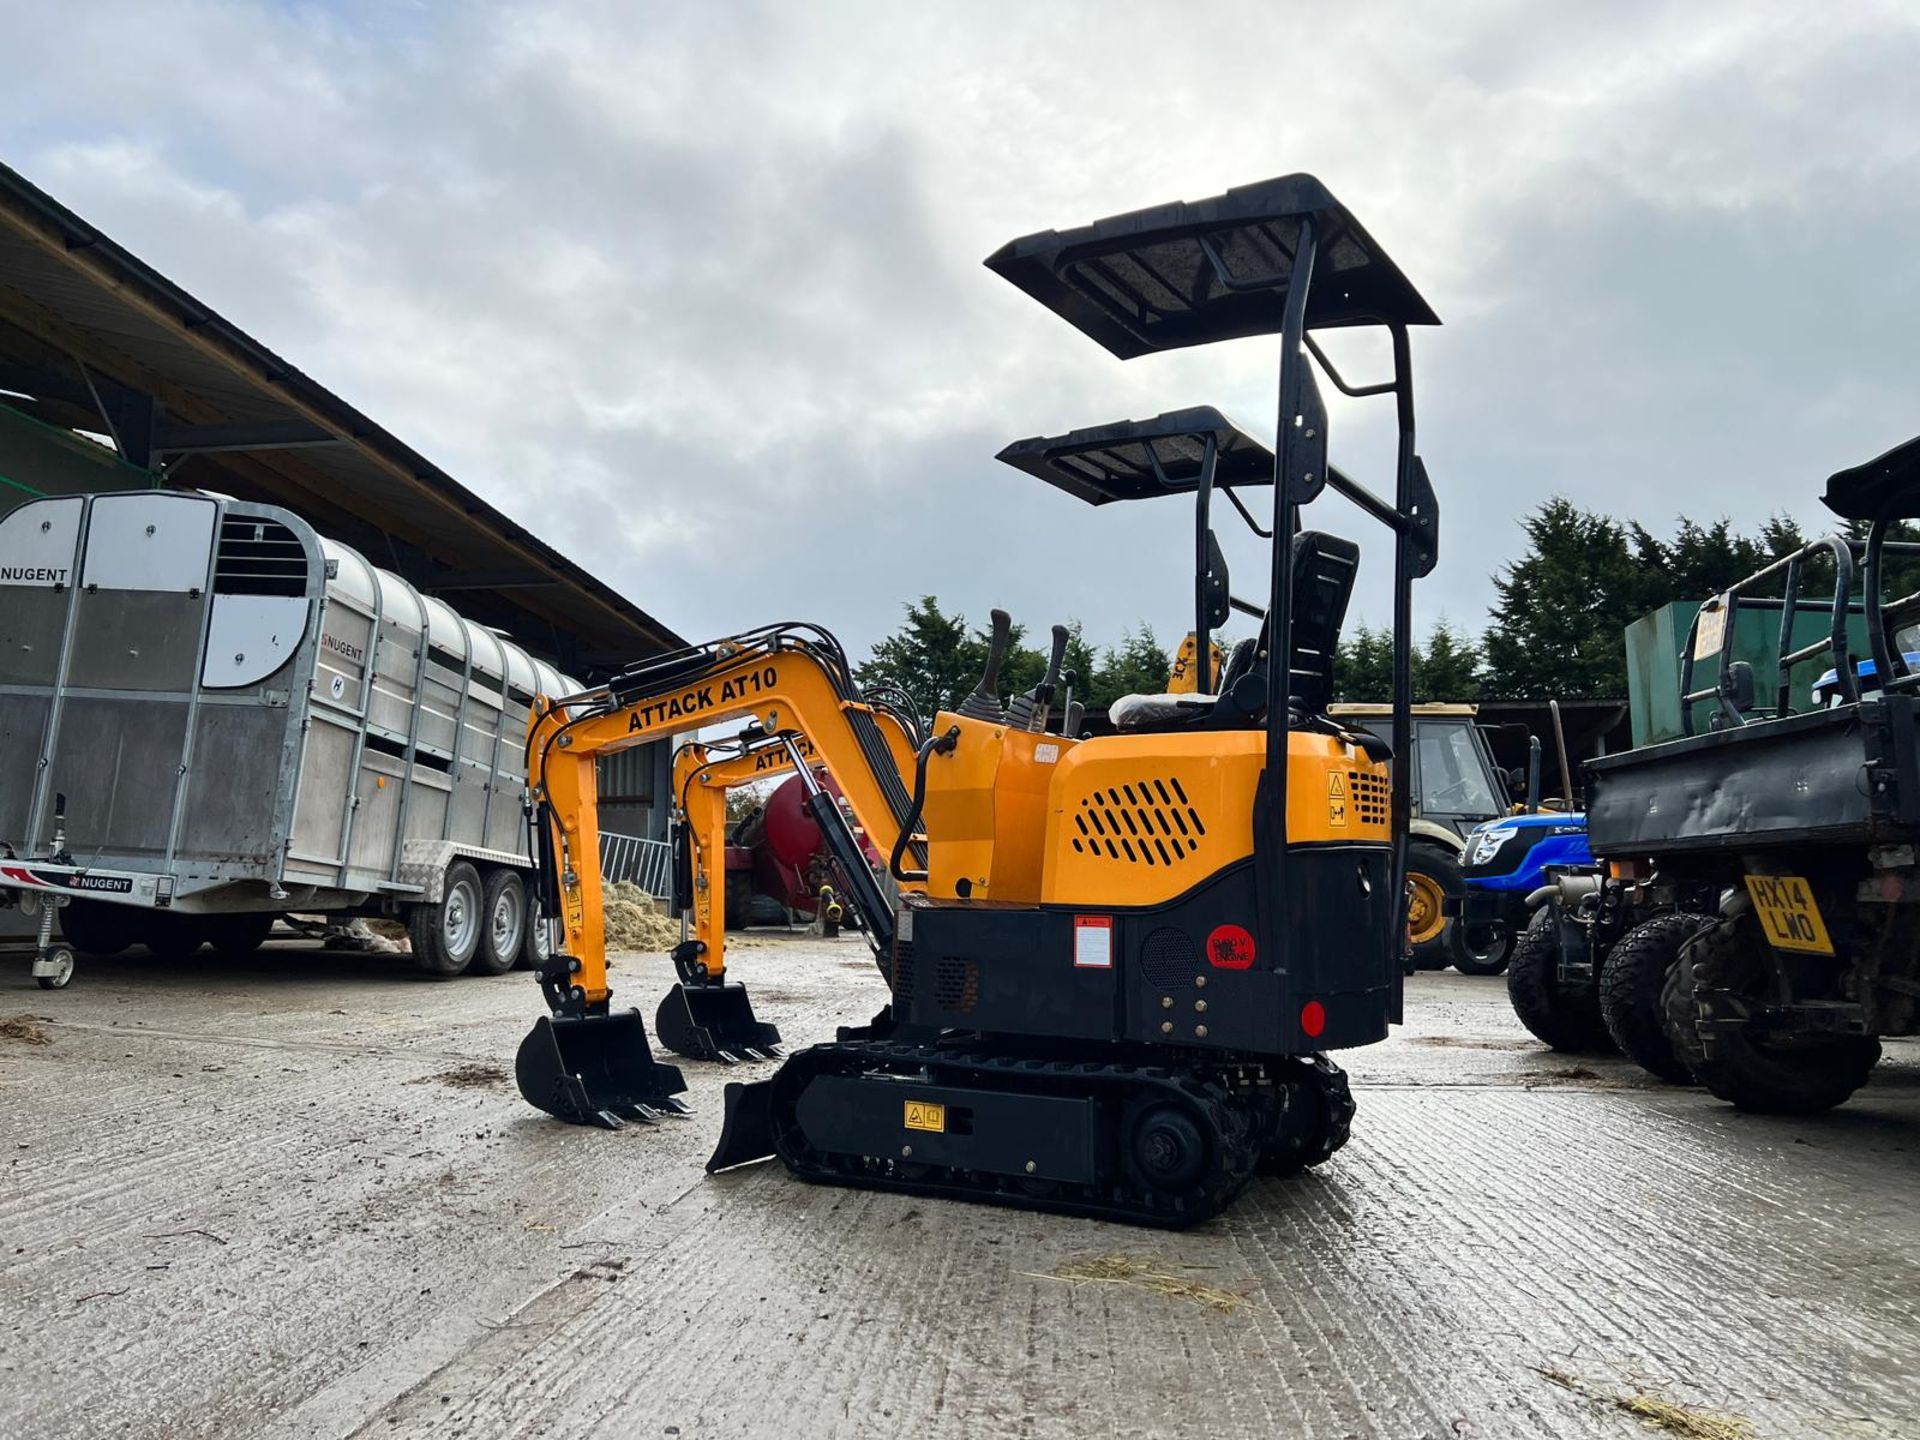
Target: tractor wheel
<point>447,936</point>
<point>1564,1017</point>
<point>1432,876</point>
<point>739,902</point>
<point>1480,949</point>
<point>1764,1074</point>
<point>1633,981</point>
<point>503,924</point>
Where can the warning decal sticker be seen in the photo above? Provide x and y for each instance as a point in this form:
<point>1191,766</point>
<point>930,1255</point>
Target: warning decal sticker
<point>1093,942</point>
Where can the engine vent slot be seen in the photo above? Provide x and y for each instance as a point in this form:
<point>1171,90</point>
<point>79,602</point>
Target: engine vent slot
<point>1169,958</point>
<point>1147,822</point>
<point>1372,796</point>
<point>902,977</point>
<point>956,984</point>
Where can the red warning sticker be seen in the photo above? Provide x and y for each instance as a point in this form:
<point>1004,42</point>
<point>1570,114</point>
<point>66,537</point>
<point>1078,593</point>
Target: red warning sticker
<point>1230,947</point>
<point>1093,942</point>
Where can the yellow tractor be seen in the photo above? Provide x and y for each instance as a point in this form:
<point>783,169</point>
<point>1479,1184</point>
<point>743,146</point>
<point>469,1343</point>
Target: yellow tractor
<point>1114,962</point>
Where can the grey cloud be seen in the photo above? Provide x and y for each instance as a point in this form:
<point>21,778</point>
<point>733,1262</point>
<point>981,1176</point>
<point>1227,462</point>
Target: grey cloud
<point>695,291</point>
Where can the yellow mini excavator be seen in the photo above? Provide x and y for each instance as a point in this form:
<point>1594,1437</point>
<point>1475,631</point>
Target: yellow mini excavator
<point>1113,961</point>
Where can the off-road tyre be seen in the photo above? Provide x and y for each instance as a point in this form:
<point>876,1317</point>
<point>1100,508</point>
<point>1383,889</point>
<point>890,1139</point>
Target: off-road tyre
<point>1755,1074</point>
<point>1434,875</point>
<point>1565,1018</point>
<point>1633,981</point>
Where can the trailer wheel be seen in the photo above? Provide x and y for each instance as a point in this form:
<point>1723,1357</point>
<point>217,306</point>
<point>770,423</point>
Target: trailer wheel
<point>1432,876</point>
<point>235,937</point>
<point>174,937</point>
<point>534,949</point>
<point>1633,980</point>
<point>1564,1017</point>
<point>503,933</point>
<point>60,963</point>
<point>97,929</point>
<point>1766,1075</point>
<point>447,936</point>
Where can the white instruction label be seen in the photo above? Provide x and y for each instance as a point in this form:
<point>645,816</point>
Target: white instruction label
<point>1045,754</point>
<point>1093,942</point>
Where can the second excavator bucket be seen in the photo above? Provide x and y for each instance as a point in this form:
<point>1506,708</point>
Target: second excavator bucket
<point>596,1070</point>
<point>746,1134</point>
<point>714,1022</point>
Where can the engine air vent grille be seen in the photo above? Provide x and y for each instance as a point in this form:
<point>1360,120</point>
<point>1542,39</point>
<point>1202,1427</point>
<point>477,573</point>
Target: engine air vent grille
<point>1143,822</point>
<point>1169,958</point>
<point>1372,796</point>
<point>956,984</point>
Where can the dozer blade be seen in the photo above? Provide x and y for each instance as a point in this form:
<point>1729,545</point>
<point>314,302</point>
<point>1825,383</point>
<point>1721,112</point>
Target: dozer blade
<point>746,1135</point>
<point>714,1022</point>
<point>596,1070</point>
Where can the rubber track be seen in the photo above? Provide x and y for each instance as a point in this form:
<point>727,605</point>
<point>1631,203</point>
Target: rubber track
<point>1238,1103</point>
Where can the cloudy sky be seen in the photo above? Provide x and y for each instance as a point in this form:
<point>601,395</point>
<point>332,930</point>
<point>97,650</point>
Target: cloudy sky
<point>695,291</point>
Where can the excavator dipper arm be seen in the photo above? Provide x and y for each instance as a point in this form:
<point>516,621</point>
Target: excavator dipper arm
<point>587,1063</point>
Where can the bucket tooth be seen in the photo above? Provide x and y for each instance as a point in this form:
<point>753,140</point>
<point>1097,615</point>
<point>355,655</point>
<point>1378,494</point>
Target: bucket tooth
<point>595,1070</point>
<point>746,1134</point>
<point>713,1022</point>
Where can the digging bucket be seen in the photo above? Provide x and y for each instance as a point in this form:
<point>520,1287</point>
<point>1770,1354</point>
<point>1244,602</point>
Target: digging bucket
<point>714,1022</point>
<point>596,1070</point>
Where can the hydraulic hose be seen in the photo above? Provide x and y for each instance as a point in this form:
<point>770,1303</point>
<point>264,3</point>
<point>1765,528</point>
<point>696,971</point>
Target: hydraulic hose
<point>944,745</point>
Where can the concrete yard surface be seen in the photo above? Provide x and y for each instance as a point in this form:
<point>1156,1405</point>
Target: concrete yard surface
<point>301,1197</point>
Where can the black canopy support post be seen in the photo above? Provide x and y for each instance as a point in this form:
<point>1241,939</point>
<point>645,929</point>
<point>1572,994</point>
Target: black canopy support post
<point>1889,664</point>
<point>1203,567</point>
<point>1270,831</point>
<point>1789,609</point>
<point>1406,564</point>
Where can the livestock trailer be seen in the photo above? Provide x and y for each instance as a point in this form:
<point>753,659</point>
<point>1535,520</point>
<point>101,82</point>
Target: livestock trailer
<point>210,715</point>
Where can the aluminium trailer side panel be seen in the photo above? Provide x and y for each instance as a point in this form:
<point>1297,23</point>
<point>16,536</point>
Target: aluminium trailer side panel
<point>241,714</point>
<point>1851,773</point>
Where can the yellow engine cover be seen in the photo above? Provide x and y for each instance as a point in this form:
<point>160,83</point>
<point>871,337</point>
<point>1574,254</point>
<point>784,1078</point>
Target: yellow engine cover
<point>1141,819</point>
<point>986,811</point>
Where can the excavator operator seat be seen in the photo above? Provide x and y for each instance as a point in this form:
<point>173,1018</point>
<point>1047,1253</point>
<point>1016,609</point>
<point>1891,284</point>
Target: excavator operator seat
<point>1324,567</point>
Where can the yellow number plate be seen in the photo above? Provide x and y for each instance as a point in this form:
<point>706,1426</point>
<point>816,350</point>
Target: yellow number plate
<point>925,1115</point>
<point>1788,914</point>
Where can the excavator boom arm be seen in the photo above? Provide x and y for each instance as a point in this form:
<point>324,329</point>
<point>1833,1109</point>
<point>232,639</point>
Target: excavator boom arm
<point>781,683</point>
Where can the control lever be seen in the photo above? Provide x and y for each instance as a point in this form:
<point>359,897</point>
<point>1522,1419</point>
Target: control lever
<point>1072,711</point>
<point>984,702</point>
<point>1032,710</point>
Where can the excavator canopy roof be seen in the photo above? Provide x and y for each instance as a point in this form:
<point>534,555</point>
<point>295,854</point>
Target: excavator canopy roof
<point>1197,271</point>
<point>1863,492</point>
<point>1141,459</point>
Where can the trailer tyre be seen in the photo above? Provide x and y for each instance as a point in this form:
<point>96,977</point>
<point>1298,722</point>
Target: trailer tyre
<point>534,949</point>
<point>503,935</point>
<point>97,929</point>
<point>175,937</point>
<point>1564,1017</point>
<point>236,937</point>
<point>1633,981</point>
<point>446,936</point>
<point>1754,1073</point>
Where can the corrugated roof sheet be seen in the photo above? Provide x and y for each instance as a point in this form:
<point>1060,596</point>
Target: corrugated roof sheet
<point>70,294</point>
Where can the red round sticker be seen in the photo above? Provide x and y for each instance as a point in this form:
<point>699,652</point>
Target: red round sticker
<point>1313,1019</point>
<point>1230,947</point>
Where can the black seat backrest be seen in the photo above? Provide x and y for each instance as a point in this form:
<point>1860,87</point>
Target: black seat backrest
<point>1324,567</point>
